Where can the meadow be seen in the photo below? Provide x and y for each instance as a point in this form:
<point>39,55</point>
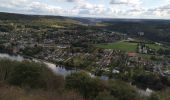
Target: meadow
<point>127,46</point>
<point>120,45</point>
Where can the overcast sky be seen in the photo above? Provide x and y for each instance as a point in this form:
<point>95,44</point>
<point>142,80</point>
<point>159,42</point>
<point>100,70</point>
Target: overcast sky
<point>91,8</point>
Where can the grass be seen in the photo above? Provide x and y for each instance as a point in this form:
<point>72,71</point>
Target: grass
<point>127,46</point>
<point>120,45</point>
<point>155,46</point>
<point>164,95</point>
<point>145,56</point>
<point>77,60</point>
<point>101,24</point>
<point>8,92</point>
<point>57,26</point>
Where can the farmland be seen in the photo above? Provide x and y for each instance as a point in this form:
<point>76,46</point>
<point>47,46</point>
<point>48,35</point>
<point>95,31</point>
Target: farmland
<point>128,46</point>
<point>120,45</point>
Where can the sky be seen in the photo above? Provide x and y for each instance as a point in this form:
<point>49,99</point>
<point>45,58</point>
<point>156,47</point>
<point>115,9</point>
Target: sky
<point>145,9</point>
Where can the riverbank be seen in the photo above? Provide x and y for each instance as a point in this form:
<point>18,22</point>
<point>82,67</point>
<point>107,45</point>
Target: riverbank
<point>61,70</point>
<point>57,69</point>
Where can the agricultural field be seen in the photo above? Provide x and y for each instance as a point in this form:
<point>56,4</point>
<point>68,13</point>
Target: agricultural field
<point>155,46</point>
<point>128,46</point>
<point>120,45</point>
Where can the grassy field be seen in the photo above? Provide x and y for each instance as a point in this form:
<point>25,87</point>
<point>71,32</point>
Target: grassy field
<point>127,46</point>
<point>120,45</point>
<point>155,46</point>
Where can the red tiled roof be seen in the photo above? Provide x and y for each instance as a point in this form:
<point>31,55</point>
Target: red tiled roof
<point>132,54</point>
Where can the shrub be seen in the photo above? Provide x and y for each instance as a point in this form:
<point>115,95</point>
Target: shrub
<point>153,97</point>
<point>122,90</point>
<point>30,75</point>
<point>105,96</point>
<point>84,84</point>
<point>27,74</point>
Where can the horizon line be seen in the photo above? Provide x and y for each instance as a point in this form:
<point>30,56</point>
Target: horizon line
<point>90,17</point>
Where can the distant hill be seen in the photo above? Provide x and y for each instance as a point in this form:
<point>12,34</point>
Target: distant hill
<point>14,16</point>
<point>154,29</point>
<point>85,20</point>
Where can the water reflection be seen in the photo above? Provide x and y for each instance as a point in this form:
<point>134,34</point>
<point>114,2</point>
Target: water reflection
<point>11,57</point>
<point>56,69</point>
<point>60,70</point>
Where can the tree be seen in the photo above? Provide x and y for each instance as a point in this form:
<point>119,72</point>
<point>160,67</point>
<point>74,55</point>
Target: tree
<point>105,96</point>
<point>84,84</point>
<point>122,90</point>
<point>149,80</point>
<point>27,75</point>
<point>153,97</point>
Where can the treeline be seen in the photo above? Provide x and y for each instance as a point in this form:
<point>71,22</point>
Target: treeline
<point>6,28</point>
<point>154,30</point>
<point>14,16</point>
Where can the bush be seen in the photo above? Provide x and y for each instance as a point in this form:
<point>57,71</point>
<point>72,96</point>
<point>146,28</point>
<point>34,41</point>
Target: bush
<point>105,96</point>
<point>161,95</point>
<point>27,75</point>
<point>122,90</point>
<point>30,75</point>
<point>32,51</point>
<point>149,80</point>
<point>84,84</point>
<point>153,97</point>
<point>92,88</point>
<point>6,67</point>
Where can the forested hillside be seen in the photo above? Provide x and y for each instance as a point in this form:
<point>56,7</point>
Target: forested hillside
<point>156,30</point>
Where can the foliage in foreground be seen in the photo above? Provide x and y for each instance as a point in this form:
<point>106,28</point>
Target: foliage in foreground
<point>29,74</point>
<point>93,87</point>
<point>34,81</point>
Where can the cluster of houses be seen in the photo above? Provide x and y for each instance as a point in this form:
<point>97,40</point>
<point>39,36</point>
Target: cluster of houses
<point>144,49</point>
<point>56,46</point>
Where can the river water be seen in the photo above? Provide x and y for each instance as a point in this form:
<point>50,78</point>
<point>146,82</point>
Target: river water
<point>56,69</point>
<point>11,57</point>
<point>60,70</point>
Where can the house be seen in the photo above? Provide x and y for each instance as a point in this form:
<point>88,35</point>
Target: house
<point>130,39</point>
<point>132,54</point>
<point>141,33</point>
<point>158,43</point>
<point>114,71</point>
<point>132,58</point>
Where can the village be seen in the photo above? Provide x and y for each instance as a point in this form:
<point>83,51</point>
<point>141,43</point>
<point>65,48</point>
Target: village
<point>76,49</point>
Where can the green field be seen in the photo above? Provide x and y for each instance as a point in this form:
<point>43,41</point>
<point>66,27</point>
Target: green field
<point>120,45</point>
<point>155,46</point>
<point>127,46</point>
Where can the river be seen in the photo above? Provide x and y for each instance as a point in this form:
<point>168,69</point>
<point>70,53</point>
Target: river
<point>60,70</point>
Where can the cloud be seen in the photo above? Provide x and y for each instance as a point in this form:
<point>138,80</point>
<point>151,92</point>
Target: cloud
<point>71,1</point>
<point>74,0</point>
<point>86,8</point>
<point>162,11</point>
<point>13,3</point>
<point>42,8</point>
<point>32,7</point>
<point>126,2</point>
<point>118,8</point>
